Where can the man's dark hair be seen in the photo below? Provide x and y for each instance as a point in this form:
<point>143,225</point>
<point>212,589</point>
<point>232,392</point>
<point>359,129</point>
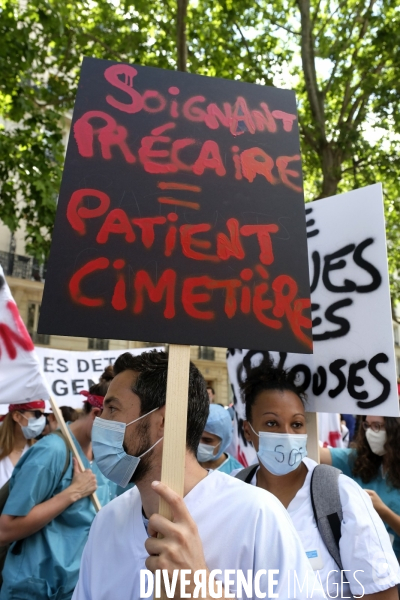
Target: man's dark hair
<point>69,413</point>
<point>151,387</point>
<point>211,388</point>
<point>267,377</point>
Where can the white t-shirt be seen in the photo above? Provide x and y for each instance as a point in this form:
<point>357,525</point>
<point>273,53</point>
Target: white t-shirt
<point>364,543</point>
<point>241,528</point>
<point>7,468</point>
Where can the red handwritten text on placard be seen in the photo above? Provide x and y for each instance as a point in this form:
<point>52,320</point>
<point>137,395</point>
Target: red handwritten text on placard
<point>229,244</point>
<point>161,154</point>
<point>160,151</point>
<point>213,248</point>
<point>212,115</point>
<point>271,303</point>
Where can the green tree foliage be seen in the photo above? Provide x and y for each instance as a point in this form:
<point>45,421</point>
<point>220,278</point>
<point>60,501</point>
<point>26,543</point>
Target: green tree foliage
<point>340,57</point>
<point>41,47</point>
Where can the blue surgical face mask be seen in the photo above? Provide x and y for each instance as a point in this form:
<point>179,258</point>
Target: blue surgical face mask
<point>109,454</point>
<point>205,452</point>
<point>34,427</point>
<point>281,453</point>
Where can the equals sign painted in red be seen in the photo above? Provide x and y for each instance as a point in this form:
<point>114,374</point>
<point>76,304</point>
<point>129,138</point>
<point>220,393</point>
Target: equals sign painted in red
<point>164,185</point>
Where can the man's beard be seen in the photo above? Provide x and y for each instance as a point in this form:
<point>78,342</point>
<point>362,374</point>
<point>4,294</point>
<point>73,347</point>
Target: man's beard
<point>142,439</point>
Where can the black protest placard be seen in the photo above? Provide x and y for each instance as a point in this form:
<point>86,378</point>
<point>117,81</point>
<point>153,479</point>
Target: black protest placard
<point>181,215</point>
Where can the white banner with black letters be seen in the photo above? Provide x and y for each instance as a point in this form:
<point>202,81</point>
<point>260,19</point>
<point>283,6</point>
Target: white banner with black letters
<point>353,368</point>
<point>69,372</point>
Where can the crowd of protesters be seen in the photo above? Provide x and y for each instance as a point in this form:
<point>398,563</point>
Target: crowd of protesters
<point>232,517</point>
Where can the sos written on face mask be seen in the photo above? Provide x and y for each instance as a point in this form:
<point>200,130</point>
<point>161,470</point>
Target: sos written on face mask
<point>205,452</point>
<point>109,454</point>
<point>34,427</point>
<point>281,453</point>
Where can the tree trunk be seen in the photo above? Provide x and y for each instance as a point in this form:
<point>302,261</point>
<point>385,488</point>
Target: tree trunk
<point>181,34</point>
<point>314,95</point>
<point>331,171</point>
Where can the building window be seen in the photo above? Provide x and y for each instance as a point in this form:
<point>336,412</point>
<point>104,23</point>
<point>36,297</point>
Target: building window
<point>98,344</point>
<point>32,323</point>
<point>206,353</point>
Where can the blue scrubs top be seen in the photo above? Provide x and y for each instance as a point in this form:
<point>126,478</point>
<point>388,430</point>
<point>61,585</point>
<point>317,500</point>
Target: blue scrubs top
<point>45,565</point>
<point>343,459</point>
<point>229,465</point>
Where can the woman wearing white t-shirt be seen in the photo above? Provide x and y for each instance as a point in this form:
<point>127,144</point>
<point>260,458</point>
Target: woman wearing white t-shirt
<point>276,426</point>
<point>20,426</point>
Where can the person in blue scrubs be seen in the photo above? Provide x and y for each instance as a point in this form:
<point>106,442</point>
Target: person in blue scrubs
<point>374,464</point>
<point>48,514</point>
<point>217,436</point>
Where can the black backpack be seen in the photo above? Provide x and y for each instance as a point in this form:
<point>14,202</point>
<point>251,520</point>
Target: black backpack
<point>5,492</point>
<point>325,500</point>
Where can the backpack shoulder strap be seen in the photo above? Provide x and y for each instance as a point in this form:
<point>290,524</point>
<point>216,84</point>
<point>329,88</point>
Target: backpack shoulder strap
<point>58,433</point>
<point>247,474</point>
<point>327,508</point>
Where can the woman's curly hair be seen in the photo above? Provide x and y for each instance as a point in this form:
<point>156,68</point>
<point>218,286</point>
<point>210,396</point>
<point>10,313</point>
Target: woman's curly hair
<point>366,464</point>
<point>268,377</point>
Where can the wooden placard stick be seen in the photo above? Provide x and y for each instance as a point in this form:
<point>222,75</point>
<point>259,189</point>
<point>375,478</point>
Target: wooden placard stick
<point>313,437</point>
<point>174,443</point>
<point>66,433</point>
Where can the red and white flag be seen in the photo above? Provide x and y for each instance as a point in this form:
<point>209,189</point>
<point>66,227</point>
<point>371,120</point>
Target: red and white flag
<point>329,430</point>
<point>21,379</point>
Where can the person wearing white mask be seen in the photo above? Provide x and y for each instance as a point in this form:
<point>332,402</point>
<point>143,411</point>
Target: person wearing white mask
<point>276,426</point>
<point>19,427</point>
<point>374,463</point>
<point>216,438</point>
